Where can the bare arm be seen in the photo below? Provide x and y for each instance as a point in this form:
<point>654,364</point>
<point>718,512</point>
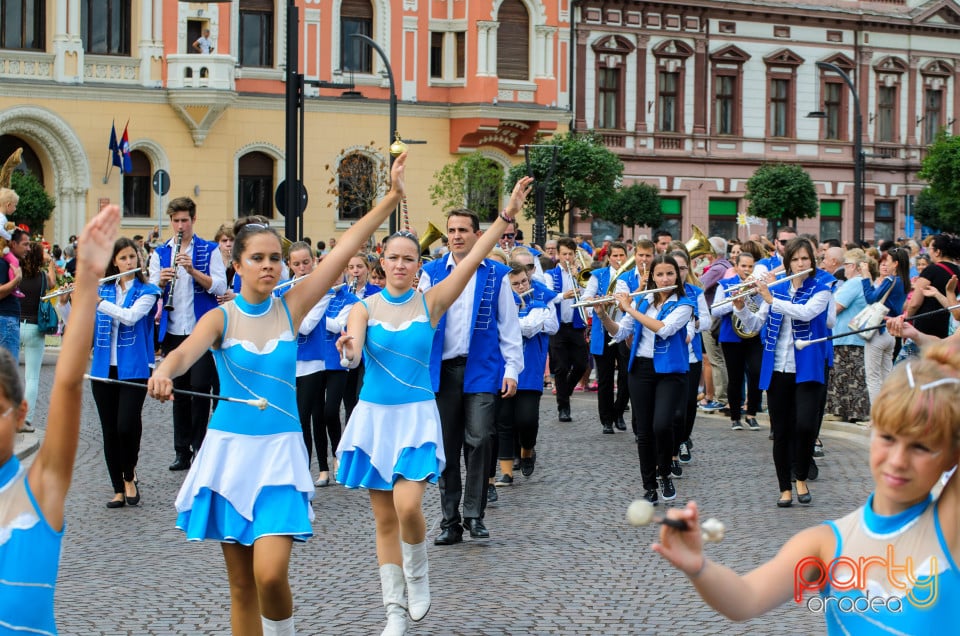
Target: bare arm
<point>52,470</point>
<point>350,344</point>
<point>916,298</point>
<point>305,295</point>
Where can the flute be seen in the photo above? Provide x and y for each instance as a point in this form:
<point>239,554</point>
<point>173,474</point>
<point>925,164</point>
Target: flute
<point>106,279</point>
<point>603,300</point>
<point>751,292</point>
<point>168,306</point>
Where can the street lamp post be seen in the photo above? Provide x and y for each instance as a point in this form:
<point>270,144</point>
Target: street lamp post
<point>393,105</point>
<point>857,149</point>
<point>540,191</point>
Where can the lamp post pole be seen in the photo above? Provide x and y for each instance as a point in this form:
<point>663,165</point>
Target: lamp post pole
<point>857,149</point>
<point>291,184</point>
<point>393,106</point>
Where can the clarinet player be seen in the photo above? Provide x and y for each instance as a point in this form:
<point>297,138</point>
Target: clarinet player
<point>191,274</point>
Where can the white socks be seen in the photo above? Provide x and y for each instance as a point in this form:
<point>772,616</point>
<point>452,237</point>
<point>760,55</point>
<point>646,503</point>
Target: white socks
<point>278,628</point>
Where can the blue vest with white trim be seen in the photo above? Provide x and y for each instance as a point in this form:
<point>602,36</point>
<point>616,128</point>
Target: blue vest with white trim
<point>670,355</point>
<point>135,352</point>
<point>598,336</point>
<point>810,361</point>
<point>696,343</point>
<point>727,332</point>
<point>555,273</point>
<point>203,301</point>
<point>321,343</point>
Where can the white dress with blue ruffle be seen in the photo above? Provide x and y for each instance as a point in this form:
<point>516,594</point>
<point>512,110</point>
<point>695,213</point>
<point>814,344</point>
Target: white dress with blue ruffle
<point>251,477</point>
<point>394,430</point>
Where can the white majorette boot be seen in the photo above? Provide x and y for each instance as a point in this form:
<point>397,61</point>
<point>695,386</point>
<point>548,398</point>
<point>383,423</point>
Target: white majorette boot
<point>415,569</point>
<point>277,628</point>
<point>394,599</point>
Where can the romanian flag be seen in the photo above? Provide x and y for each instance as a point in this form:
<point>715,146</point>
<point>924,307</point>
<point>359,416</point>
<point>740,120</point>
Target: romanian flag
<point>127,166</point>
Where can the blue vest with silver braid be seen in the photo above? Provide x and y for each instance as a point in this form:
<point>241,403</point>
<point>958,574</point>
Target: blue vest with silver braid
<point>598,336</point>
<point>670,355</point>
<point>135,352</point>
<point>321,343</point>
<point>203,301</point>
<point>696,343</point>
<point>558,286</point>
<point>811,360</point>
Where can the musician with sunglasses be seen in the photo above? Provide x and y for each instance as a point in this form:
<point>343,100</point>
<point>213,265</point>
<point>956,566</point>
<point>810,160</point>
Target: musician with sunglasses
<point>775,260</point>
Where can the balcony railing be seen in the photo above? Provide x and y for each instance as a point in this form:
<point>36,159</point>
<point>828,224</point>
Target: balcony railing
<point>30,65</point>
<point>201,71</point>
<point>668,142</point>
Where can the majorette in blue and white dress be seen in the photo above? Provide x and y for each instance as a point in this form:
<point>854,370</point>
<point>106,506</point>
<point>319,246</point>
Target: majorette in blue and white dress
<point>251,477</point>
<point>394,430</point>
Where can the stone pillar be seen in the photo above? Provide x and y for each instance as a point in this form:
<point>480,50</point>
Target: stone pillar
<point>913,96</point>
<point>642,42</point>
<point>67,46</point>
<point>580,109</point>
<point>700,100</point>
<point>150,50</point>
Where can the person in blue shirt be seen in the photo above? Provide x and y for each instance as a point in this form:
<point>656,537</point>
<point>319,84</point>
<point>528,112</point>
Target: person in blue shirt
<point>891,288</point>
<point>32,499</point>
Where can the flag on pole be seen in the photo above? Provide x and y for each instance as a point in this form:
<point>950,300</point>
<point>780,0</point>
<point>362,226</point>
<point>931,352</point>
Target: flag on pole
<point>115,155</point>
<point>127,166</point>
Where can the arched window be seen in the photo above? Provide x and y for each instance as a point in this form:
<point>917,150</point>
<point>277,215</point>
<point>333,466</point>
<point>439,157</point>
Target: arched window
<point>356,16</point>
<point>136,187</point>
<point>255,185</point>
<point>256,33</point>
<point>23,24</point>
<point>357,179</point>
<point>513,41</point>
<point>105,26</point>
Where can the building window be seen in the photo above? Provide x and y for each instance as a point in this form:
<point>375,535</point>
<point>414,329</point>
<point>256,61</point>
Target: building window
<point>672,210</point>
<point>887,114</point>
<point>255,185</point>
<point>780,107</point>
<point>883,220</point>
<point>256,33</point>
<point>932,114</point>
<point>834,98</point>
<point>668,102</point>
<point>608,98</point>
<point>726,104</point>
<point>357,182</point>
<point>513,41</point>
<point>723,218</point>
<point>105,27</point>
<point>356,16</point>
<point>728,90</point>
<point>23,24</point>
<point>830,220</point>
<point>436,55</point>
<point>442,67</point>
<point>460,50</point>
<point>136,187</point>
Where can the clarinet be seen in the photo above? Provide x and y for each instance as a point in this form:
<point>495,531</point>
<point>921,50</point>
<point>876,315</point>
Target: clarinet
<point>168,306</point>
<point>353,285</point>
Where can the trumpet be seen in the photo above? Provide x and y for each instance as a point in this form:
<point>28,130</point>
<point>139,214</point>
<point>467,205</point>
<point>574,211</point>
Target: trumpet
<point>70,288</point>
<point>751,291</point>
<point>576,293</point>
<point>752,280</point>
<point>604,300</point>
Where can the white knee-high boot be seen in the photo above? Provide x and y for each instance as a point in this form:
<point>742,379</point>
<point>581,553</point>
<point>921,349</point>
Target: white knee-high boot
<point>394,599</point>
<point>415,569</point>
<point>278,628</point>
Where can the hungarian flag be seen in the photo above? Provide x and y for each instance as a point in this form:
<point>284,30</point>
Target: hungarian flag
<point>127,166</point>
<point>116,157</point>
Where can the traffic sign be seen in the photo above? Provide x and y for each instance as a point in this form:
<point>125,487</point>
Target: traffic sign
<point>280,198</point>
<point>161,182</point>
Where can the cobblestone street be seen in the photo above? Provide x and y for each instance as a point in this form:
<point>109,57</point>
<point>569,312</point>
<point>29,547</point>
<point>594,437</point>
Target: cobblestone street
<point>560,560</point>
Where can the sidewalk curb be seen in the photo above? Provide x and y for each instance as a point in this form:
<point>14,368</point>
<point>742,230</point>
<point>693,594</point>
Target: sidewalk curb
<point>27,444</point>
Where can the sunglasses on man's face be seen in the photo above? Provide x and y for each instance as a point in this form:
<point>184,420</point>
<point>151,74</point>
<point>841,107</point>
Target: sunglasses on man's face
<point>507,235</point>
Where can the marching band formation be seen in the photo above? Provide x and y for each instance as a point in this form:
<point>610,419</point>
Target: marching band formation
<point>449,359</point>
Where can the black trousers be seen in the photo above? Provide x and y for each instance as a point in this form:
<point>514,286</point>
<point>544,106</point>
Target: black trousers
<point>793,418</point>
<point>743,358</point>
<point>612,363</point>
<point>318,404</point>
<point>190,414</point>
<point>568,360</point>
<point>687,413</point>
<point>351,391</point>
<point>469,426</point>
<point>120,408</point>
<point>654,397</point>
<point>518,422</point>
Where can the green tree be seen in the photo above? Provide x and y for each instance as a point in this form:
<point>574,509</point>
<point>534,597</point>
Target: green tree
<point>781,192</point>
<point>637,204</point>
<point>35,205</point>
<point>940,202</point>
<point>472,180</point>
<point>586,177</point>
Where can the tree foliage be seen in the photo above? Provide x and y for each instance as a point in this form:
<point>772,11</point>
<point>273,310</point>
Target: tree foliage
<point>637,204</point>
<point>586,177</point>
<point>781,192</point>
<point>358,181</point>
<point>473,181</point>
<point>939,204</point>
<point>35,205</point>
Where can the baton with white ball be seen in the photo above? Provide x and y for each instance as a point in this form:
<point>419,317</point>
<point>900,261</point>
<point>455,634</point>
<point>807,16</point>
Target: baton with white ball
<point>260,403</point>
<point>345,362</point>
<point>802,344</point>
<point>640,513</point>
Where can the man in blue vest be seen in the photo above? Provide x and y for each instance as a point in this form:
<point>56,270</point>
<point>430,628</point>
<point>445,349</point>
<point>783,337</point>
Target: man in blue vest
<point>568,347</point>
<point>775,260</point>
<point>200,277</point>
<point>476,339</point>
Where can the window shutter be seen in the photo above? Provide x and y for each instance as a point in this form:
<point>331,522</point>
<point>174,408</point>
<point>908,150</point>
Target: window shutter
<point>265,6</point>
<point>513,41</point>
<point>361,9</point>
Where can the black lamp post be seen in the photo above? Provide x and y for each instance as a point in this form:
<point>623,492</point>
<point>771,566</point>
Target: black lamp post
<point>540,191</point>
<point>857,148</point>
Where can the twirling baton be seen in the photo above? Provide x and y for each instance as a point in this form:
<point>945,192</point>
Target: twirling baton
<point>260,403</point>
<point>801,344</point>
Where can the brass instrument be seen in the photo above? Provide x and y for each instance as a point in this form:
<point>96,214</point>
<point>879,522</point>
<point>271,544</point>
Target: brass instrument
<point>751,292</point>
<point>752,281</point>
<point>737,324</point>
<point>576,292</point>
<point>168,306</point>
<point>429,238</point>
<point>699,244</point>
<point>603,300</point>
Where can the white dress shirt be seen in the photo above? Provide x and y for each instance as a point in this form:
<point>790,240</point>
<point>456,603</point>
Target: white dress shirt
<point>672,323</point>
<point>125,315</point>
<point>181,321</point>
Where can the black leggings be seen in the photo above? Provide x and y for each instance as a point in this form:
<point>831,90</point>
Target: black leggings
<point>793,417</point>
<point>318,399</point>
<point>518,422</point>
<point>120,409</point>
<point>654,397</point>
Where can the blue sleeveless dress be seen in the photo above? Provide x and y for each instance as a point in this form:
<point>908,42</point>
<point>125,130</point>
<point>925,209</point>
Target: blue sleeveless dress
<point>394,430</point>
<point>29,557</point>
<point>251,477</point>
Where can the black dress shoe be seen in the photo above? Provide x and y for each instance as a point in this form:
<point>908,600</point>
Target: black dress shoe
<point>607,428</point>
<point>784,503</point>
<point>620,424</point>
<point>805,498</point>
<point>449,536</point>
<point>476,528</point>
<point>564,414</point>
<point>116,503</point>
<point>133,501</point>
<point>182,462</point>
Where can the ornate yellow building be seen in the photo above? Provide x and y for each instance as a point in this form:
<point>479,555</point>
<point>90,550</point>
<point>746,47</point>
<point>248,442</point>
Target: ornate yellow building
<point>470,77</point>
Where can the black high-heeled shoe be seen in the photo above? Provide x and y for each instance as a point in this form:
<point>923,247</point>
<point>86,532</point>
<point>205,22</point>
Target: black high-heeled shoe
<point>133,501</point>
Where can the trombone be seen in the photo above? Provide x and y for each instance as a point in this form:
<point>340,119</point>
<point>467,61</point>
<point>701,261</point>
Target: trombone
<point>69,289</point>
<point>603,300</point>
<point>751,291</point>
